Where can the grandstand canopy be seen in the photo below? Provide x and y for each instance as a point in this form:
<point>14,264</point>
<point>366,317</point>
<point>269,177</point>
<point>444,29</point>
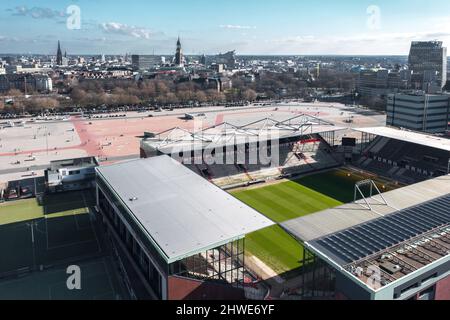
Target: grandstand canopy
<point>409,136</point>
<point>182,213</point>
<point>324,223</point>
<point>223,134</point>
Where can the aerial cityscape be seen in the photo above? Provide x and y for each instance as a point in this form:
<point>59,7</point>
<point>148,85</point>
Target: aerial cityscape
<point>235,151</point>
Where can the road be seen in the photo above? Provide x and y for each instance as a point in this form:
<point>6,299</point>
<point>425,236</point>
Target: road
<point>46,166</point>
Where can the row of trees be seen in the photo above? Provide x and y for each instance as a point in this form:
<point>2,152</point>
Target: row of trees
<point>31,105</point>
<point>334,79</point>
<point>120,92</point>
<point>117,93</point>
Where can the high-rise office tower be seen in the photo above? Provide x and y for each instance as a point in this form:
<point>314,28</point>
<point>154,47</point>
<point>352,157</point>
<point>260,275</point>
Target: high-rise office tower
<point>145,62</point>
<point>428,62</point>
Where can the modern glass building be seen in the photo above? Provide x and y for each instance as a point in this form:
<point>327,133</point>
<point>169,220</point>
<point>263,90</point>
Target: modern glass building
<point>428,61</point>
<point>145,62</point>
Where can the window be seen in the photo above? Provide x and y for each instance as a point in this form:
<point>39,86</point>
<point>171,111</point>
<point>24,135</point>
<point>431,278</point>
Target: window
<point>428,294</point>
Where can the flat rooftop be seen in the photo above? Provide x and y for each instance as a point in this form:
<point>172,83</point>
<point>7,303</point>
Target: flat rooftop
<point>431,141</point>
<point>73,163</point>
<point>182,213</point>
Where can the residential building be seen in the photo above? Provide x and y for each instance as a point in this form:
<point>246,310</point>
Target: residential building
<point>26,82</point>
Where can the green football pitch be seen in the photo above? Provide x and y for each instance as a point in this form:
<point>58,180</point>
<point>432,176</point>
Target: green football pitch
<point>292,199</point>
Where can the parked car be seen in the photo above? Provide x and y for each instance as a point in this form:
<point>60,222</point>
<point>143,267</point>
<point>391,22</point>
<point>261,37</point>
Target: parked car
<point>25,192</point>
<point>11,194</point>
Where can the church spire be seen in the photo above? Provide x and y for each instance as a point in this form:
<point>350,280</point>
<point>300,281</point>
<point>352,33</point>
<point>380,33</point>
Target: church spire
<point>59,56</point>
<point>179,59</point>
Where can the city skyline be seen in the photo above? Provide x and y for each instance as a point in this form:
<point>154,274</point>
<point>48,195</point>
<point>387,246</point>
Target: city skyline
<point>251,28</point>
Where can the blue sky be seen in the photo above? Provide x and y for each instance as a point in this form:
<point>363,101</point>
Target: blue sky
<point>249,26</point>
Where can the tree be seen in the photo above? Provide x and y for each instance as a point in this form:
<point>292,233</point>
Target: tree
<point>200,97</point>
<point>38,104</point>
<point>78,96</point>
<point>172,98</point>
<point>249,95</point>
<point>14,93</point>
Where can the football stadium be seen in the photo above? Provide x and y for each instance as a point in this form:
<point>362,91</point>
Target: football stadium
<point>316,187</point>
<point>277,209</point>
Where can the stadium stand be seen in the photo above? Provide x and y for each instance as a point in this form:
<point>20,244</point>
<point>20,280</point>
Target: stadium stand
<point>230,155</point>
<point>308,154</point>
<point>404,161</point>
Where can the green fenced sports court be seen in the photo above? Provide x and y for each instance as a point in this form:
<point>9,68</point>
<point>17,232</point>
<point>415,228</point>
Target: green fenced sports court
<point>98,282</point>
<point>54,205</point>
<point>40,238</point>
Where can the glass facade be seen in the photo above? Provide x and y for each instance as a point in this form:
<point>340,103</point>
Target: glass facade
<point>223,264</point>
<point>127,235</point>
<point>429,60</point>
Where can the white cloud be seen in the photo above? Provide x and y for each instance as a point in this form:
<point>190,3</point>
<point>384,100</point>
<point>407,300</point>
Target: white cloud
<point>237,27</point>
<point>126,30</point>
<point>38,12</point>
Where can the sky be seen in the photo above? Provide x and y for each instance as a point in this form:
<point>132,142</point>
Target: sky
<point>266,27</point>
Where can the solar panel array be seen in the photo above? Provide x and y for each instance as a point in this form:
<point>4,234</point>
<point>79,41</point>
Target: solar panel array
<point>362,241</point>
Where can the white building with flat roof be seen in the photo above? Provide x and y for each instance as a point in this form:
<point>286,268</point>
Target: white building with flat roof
<point>179,235</point>
<point>419,112</point>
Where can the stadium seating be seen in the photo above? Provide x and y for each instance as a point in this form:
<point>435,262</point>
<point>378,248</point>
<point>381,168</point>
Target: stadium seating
<point>404,161</point>
<point>310,153</point>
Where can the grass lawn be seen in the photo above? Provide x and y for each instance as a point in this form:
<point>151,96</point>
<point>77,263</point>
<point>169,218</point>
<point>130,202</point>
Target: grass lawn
<point>286,201</point>
<point>53,206</point>
<point>21,210</point>
<point>340,184</point>
<point>276,248</point>
<point>290,200</point>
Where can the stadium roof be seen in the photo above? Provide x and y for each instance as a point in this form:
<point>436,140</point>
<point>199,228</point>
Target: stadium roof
<point>333,220</point>
<point>374,236</point>
<point>407,230</point>
<point>406,244</point>
<point>409,136</point>
<point>182,213</point>
<point>177,139</point>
